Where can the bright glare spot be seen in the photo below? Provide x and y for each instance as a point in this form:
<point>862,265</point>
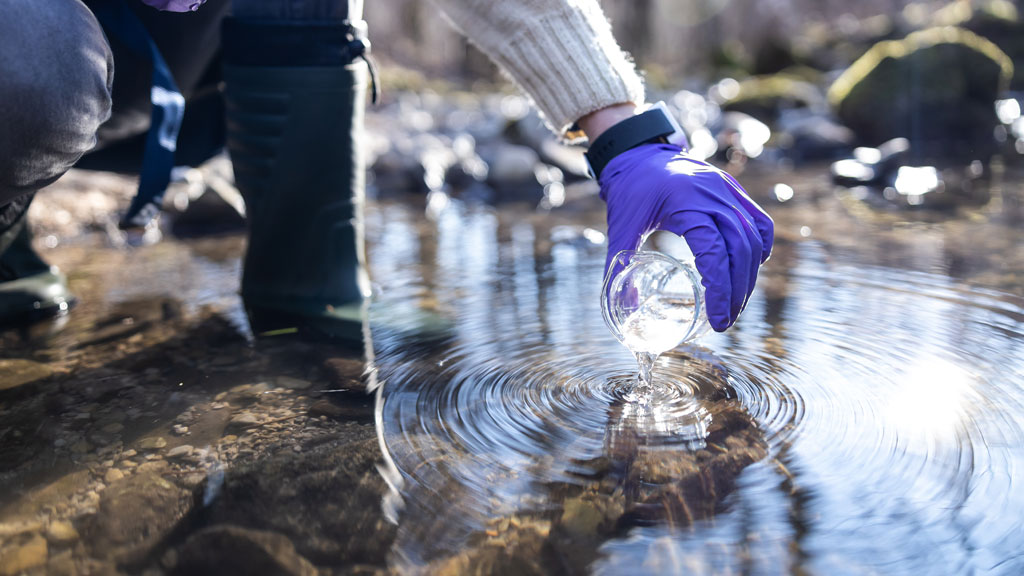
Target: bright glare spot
<point>702,144</point>
<point>976,169</point>
<point>916,181</point>
<point>1007,110</point>
<point>594,236</point>
<point>728,88</point>
<point>867,155</point>
<point>514,107</point>
<point>555,194</point>
<point>805,231</point>
<point>783,192</point>
<point>854,170</point>
<point>930,398</point>
<point>437,201</point>
<point>753,136</point>
<point>51,241</point>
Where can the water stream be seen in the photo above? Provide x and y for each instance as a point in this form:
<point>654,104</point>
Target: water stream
<point>865,415</point>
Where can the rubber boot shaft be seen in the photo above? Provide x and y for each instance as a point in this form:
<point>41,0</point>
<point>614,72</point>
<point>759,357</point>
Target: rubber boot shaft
<point>293,137</point>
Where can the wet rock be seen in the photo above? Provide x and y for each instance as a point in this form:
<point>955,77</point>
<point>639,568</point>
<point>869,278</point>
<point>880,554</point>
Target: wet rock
<point>243,420</point>
<point>510,546</point>
<point>292,383</point>
<point>182,451</point>
<point>157,467</point>
<point>179,430</point>
<point>342,409</point>
<point>766,97</point>
<point>212,205</point>
<point>135,514</point>
<point>24,554</point>
<point>591,514</point>
<point>809,136</point>
<point>18,371</point>
<point>957,78</point>
<point>248,393</point>
<point>871,166</point>
<point>741,133</point>
<point>61,532</point>
<point>226,549</point>
<point>346,373</point>
<point>61,564</point>
<point>995,20</point>
<point>325,499</point>
<point>152,443</point>
<point>113,475</point>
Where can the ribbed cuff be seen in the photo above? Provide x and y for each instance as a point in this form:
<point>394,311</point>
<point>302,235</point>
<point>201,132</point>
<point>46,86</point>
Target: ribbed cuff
<point>570,65</point>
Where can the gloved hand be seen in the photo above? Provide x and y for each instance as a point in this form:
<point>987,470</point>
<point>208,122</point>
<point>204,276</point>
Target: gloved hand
<point>656,187</point>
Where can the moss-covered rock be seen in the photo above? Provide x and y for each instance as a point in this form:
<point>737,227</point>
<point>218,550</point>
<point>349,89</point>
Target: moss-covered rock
<point>935,84</point>
<point>764,97</point>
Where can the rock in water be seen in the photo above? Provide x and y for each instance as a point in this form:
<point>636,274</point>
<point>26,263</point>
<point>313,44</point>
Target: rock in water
<point>22,556</point>
<point>935,85</point>
<point>226,549</point>
<point>326,499</point>
<point>135,515</point>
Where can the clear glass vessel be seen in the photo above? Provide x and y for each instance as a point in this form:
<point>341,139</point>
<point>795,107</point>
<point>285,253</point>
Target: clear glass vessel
<point>652,302</point>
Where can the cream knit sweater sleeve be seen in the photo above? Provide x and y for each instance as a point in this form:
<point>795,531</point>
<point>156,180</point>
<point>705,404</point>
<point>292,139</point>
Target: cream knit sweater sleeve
<point>560,52</point>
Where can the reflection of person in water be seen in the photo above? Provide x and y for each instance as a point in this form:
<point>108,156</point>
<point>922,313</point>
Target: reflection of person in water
<point>294,74</point>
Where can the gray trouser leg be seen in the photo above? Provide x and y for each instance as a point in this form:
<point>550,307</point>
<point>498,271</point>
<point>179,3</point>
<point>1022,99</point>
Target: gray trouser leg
<point>56,75</point>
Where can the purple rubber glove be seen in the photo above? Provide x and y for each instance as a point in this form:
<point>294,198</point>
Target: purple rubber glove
<point>656,187</point>
<point>175,5</point>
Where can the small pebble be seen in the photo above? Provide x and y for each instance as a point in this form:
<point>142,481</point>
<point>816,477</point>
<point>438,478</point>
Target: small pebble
<point>61,532</point>
<point>180,451</point>
<point>152,443</point>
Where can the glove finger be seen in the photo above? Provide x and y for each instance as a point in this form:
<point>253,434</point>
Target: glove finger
<point>712,258</point>
<point>616,244</point>
<point>763,222</point>
<point>756,254</point>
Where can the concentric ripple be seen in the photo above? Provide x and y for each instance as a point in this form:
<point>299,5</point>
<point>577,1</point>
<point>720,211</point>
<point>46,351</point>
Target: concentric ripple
<point>852,407</point>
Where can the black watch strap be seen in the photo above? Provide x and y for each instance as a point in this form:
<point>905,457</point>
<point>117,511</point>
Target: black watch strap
<point>627,134</point>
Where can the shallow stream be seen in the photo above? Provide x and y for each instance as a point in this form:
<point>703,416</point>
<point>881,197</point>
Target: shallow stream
<point>864,416</point>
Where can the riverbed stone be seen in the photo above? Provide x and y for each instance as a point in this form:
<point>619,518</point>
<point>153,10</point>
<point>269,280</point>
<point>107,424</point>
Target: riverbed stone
<point>152,443</point>
<point>23,554</point>
<point>182,451</point>
<point>61,532</point>
<point>325,499</point>
<point>957,76</point>
<point>227,549</point>
<point>135,514</point>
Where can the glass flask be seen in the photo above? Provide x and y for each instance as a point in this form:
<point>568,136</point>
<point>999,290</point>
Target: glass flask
<point>652,302</point>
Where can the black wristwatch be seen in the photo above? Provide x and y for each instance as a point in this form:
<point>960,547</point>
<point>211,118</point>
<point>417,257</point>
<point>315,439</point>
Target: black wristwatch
<point>654,125</point>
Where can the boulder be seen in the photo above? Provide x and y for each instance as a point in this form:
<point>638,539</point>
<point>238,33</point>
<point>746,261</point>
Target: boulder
<point>226,549</point>
<point>766,97</point>
<point>135,515</point>
<point>935,85</point>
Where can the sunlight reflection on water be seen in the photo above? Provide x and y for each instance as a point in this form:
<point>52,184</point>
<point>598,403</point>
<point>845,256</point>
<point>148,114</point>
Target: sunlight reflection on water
<point>859,418</point>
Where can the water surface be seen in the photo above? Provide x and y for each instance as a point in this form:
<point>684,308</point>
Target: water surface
<point>864,416</point>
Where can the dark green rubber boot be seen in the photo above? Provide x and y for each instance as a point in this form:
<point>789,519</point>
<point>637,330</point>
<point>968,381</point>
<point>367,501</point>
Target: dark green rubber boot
<point>30,289</point>
<point>295,99</point>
